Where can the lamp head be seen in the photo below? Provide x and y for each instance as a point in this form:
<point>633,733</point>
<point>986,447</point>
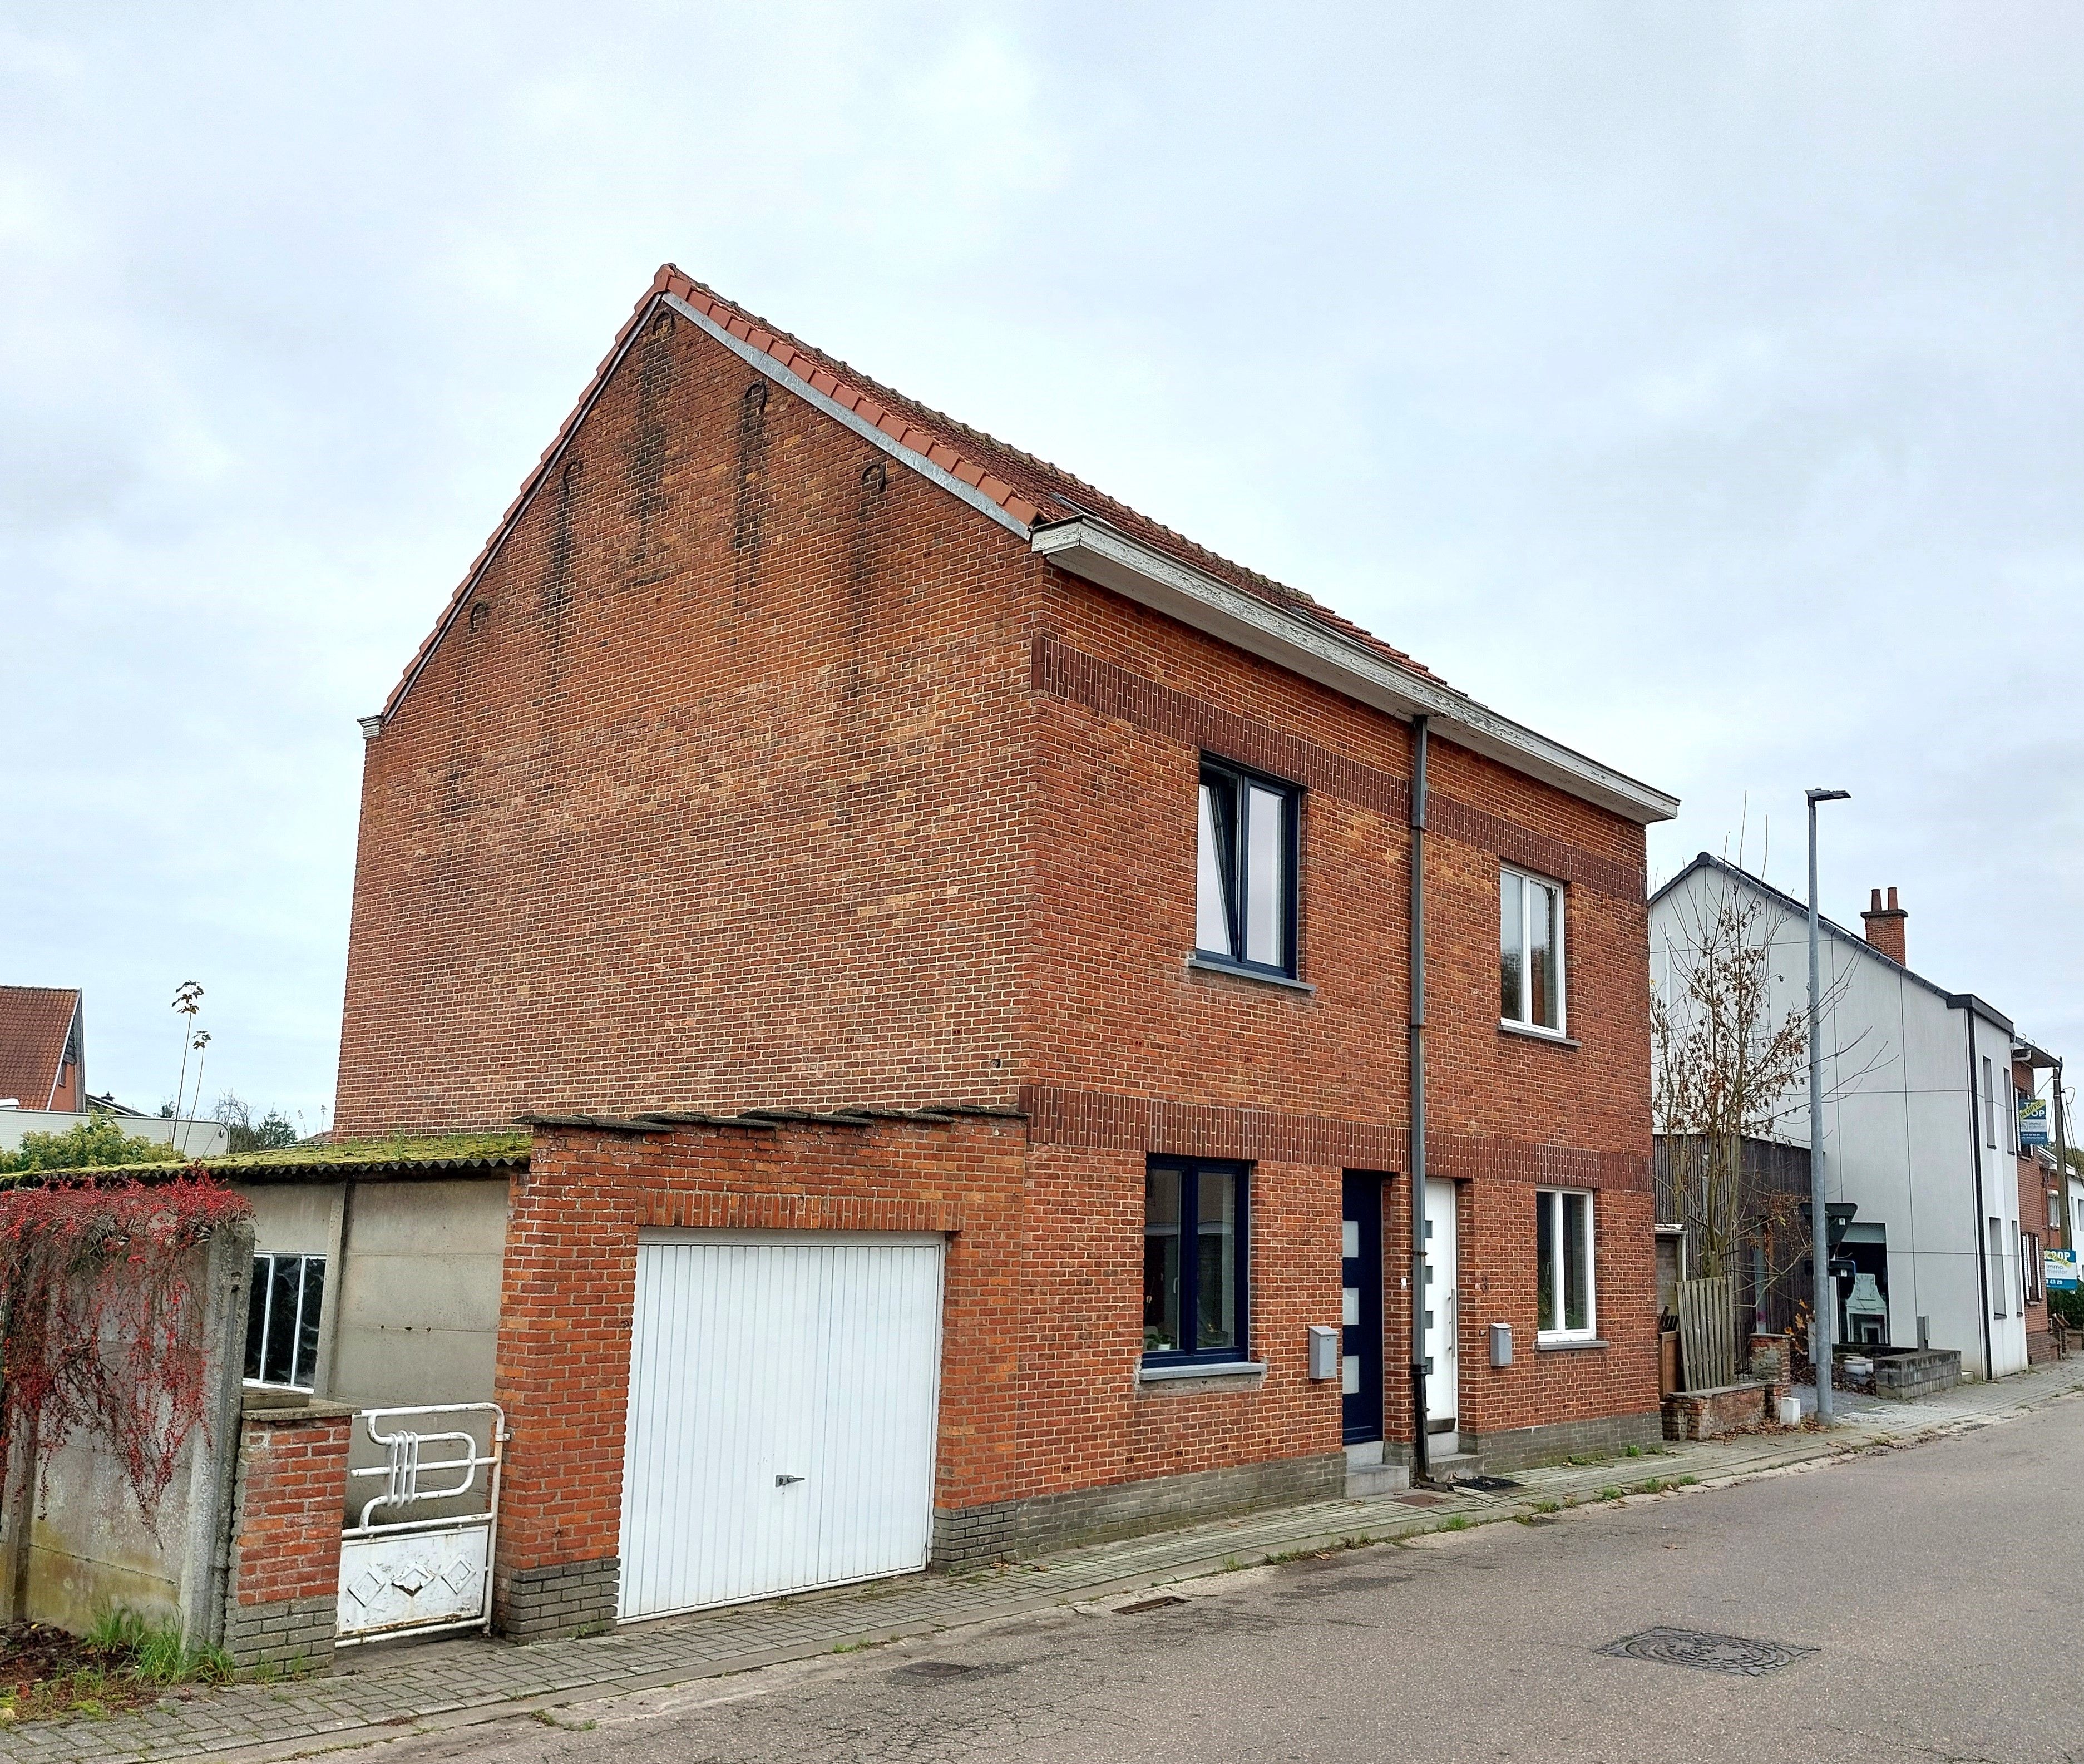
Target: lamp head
<point>1828,796</point>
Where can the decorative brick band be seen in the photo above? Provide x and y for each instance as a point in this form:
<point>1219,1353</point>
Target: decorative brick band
<point>561,1600</point>
<point>798,1212</point>
<point>1008,1529</point>
<point>1523,1447</point>
<point>1097,1120</point>
<point>1113,691</point>
<point>288,1635</point>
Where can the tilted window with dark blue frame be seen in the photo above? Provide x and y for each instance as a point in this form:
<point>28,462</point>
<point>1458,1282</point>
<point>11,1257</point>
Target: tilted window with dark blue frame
<point>1195,1263</point>
<point>1245,894</point>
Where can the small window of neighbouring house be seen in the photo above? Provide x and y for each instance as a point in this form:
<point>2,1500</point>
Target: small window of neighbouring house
<point>1194,1261</point>
<point>1564,1307</point>
<point>1530,951</point>
<point>2054,1211</point>
<point>282,1320</point>
<point>1990,1106</point>
<point>2030,1268</point>
<point>1245,892</point>
<point>2000,1277</point>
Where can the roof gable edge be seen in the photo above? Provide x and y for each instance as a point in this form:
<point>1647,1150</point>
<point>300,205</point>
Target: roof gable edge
<point>783,375</point>
<point>1091,548</point>
<point>373,726</point>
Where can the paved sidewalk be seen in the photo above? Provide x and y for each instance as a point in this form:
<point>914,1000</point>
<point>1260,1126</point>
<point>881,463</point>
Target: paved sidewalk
<point>378,1694</point>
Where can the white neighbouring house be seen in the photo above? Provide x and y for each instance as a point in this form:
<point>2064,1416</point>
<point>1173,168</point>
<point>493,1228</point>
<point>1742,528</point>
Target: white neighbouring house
<point>1918,1126</point>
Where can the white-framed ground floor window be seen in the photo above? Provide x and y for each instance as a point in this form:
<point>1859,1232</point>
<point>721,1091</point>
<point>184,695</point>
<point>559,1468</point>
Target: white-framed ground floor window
<point>1565,1304</point>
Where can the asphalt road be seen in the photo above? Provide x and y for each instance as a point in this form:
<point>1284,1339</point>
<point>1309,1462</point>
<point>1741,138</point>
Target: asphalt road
<point>1938,1586</point>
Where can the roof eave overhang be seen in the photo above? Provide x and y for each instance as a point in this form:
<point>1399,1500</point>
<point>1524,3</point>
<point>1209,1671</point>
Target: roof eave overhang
<point>1105,556</point>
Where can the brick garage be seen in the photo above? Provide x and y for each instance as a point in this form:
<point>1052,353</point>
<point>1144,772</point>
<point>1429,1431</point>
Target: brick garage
<point>762,760</point>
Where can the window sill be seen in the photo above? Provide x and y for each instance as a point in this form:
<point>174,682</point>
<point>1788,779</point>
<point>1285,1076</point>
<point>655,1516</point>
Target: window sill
<point>1533,1033</point>
<point>1204,964</point>
<point>1254,1370</point>
<point>1570,1344</point>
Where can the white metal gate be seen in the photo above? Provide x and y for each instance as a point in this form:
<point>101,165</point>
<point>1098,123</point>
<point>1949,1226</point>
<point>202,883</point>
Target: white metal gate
<point>783,1390</point>
<point>415,1575</point>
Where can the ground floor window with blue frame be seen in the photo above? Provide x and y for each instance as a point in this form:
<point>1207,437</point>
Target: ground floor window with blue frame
<point>1194,1263</point>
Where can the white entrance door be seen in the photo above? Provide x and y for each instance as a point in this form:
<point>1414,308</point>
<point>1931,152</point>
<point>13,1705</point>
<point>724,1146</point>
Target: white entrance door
<point>783,1388</point>
<point>1443,1307</point>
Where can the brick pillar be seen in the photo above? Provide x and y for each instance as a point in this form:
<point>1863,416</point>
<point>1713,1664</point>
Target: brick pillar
<point>283,1589</point>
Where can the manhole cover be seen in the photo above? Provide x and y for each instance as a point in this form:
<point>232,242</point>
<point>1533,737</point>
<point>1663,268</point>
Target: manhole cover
<point>1737,1654</point>
<point>934,1669</point>
<point>1149,1605</point>
<point>1420,1500</point>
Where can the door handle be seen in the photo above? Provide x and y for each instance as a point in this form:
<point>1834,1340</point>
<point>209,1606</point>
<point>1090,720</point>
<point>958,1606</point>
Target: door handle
<point>783,1481</point>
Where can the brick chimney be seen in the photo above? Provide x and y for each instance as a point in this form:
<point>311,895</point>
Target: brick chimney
<point>1885,926</point>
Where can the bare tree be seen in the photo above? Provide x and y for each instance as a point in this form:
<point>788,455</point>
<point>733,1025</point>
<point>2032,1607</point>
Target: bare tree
<point>1727,1065</point>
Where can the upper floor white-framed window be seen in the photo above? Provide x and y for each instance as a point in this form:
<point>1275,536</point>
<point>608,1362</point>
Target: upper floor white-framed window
<point>1246,899</point>
<point>1566,1306</point>
<point>1531,987</point>
<point>1990,1105</point>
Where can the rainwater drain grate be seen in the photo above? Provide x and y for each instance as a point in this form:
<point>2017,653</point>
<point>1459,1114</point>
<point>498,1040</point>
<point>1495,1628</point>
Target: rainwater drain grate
<point>1149,1605</point>
<point>1737,1654</point>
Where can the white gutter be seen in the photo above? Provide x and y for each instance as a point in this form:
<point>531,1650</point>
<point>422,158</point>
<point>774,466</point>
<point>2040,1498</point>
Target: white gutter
<point>1102,554</point>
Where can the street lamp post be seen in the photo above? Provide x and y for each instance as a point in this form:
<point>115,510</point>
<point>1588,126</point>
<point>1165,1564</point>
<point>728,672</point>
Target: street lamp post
<point>1826,1298</point>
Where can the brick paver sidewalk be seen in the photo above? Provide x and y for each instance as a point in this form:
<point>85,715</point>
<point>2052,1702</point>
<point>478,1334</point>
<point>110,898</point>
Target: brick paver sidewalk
<point>376,1692</point>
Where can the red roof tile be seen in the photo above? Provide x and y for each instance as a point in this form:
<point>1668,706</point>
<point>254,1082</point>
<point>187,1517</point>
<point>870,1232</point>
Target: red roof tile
<point>1031,490</point>
<point>35,1024</point>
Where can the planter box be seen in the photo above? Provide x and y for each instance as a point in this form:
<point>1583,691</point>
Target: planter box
<point>1911,1372</point>
<point>1706,1414</point>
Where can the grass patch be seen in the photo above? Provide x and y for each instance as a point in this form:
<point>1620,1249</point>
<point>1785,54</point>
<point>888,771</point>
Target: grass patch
<point>1318,1552</point>
<point>1549,1506</point>
<point>1635,1451</point>
<point>121,1663</point>
<point>1455,1522</point>
<point>1610,1492</point>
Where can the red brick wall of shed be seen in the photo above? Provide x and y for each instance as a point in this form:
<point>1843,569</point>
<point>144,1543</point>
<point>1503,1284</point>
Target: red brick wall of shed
<point>569,1294</point>
<point>706,798</point>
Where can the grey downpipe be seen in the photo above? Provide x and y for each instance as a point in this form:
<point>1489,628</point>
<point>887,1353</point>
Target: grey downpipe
<point>1419,1464</point>
<point>1981,1239</point>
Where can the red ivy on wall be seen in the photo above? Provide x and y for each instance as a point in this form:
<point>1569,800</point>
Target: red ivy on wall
<point>100,1319</point>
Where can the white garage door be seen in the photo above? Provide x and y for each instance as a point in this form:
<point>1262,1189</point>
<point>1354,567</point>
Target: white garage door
<point>783,1387</point>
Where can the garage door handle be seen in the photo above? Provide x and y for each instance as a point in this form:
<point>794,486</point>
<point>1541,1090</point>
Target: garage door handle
<point>783,1481</point>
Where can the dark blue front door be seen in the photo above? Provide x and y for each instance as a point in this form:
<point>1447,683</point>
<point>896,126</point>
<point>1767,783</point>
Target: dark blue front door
<point>1362,1315</point>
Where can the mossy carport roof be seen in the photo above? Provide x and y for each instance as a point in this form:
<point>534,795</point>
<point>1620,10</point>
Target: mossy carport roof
<point>435,1155</point>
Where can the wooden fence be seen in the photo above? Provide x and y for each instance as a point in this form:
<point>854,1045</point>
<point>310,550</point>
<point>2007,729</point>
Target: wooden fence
<point>1708,1333</point>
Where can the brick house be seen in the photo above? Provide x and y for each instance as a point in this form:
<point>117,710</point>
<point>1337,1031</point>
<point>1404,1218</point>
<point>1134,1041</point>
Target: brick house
<point>2042,1214</point>
<point>883,868</point>
<point>43,1048</point>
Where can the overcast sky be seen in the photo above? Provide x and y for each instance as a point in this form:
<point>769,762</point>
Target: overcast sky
<point>1701,384</point>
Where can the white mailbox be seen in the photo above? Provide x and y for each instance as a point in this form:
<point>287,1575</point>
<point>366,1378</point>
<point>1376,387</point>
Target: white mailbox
<point>1323,1351</point>
<point>1501,1344</point>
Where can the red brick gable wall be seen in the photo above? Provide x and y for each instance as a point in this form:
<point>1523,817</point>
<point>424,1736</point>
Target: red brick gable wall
<point>706,798</point>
